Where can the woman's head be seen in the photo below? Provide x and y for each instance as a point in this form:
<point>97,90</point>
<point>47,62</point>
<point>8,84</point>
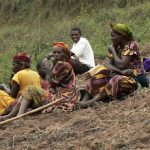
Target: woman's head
<point>120,32</point>
<point>61,52</point>
<point>21,61</point>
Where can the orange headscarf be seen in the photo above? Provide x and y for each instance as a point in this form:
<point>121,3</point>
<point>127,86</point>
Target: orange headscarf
<point>65,48</point>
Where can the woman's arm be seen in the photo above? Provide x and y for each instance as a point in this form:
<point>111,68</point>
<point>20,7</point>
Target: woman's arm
<point>14,90</point>
<point>4,88</point>
<point>126,72</point>
<point>110,65</point>
<point>121,63</point>
<point>12,113</point>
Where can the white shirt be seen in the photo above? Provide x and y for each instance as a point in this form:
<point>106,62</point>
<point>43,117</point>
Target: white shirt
<point>83,50</point>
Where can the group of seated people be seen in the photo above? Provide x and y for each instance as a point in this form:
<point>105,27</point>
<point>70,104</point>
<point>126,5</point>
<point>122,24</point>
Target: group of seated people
<point>56,77</point>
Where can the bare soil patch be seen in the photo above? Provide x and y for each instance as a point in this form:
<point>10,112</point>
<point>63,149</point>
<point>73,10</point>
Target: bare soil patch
<point>118,125</point>
<point>115,125</point>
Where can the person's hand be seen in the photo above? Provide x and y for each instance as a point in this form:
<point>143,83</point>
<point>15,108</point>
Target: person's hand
<point>111,49</point>
<point>127,72</point>
<point>74,57</point>
<point>3,86</point>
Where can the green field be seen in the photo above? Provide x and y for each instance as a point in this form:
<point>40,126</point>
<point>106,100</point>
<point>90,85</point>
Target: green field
<point>33,25</point>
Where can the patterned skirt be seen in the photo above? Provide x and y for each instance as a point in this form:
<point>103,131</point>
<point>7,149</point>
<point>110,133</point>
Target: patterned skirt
<point>99,78</point>
<point>106,83</point>
<point>40,97</point>
<point>119,86</point>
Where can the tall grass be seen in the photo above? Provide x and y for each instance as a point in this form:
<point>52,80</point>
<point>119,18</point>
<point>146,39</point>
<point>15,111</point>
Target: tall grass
<point>32,26</point>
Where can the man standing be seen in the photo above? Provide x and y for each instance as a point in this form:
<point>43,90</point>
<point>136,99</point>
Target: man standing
<point>81,52</point>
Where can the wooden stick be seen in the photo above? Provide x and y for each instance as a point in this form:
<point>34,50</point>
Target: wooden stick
<point>30,112</point>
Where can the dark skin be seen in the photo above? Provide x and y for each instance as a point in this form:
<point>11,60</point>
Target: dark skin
<point>15,86</point>
<point>75,36</point>
<point>14,90</point>
<point>118,64</point>
<point>58,55</point>
<point>22,105</point>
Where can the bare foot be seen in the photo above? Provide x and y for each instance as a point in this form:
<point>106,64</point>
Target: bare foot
<point>48,110</point>
<point>84,105</point>
<point>89,103</point>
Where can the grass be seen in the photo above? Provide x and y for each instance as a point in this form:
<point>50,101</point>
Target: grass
<point>30,26</point>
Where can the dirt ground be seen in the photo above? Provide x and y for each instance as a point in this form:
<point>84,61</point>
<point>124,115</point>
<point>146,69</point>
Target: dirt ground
<point>118,125</point>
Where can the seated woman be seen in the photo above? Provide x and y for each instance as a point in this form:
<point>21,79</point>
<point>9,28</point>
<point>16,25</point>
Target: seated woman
<point>62,82</point>
<point>118,77</point>
<point>23,77</point>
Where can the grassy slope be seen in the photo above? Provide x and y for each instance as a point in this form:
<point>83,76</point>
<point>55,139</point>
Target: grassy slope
<point>31,26</point>
<point>123,125</point>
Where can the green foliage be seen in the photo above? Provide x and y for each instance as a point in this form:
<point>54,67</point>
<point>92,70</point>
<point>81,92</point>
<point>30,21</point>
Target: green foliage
<point>32,26</point>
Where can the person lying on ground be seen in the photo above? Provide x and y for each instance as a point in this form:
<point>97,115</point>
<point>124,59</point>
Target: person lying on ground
<point>118,77</point>
<point>62,82</point>
<point>22,78</point>
<point>82,53</point>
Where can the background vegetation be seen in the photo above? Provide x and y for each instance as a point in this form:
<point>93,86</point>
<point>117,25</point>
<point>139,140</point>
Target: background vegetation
<point>32,25</point>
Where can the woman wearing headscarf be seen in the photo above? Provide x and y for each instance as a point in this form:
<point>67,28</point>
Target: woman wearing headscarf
<point>62,83</point>
<point>22,78</point>
<point>118,77</point>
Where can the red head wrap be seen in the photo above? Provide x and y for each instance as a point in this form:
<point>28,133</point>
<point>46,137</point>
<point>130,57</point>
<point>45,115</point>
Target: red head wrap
<point>65,48</point>
<point>22,57</point>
